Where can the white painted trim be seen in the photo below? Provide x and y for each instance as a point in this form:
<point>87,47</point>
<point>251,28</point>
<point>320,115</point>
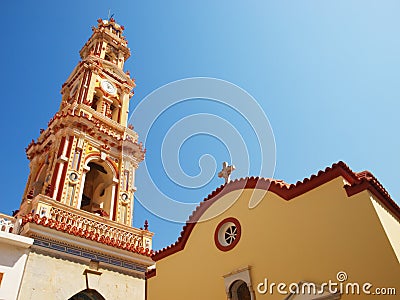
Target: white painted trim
<point>242,274</point>
<point>15,240</point>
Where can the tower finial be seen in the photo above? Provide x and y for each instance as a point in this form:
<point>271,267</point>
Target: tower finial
<point>109,17</point>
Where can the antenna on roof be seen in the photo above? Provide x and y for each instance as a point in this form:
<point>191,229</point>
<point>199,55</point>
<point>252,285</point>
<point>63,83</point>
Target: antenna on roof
<point>109,17</point>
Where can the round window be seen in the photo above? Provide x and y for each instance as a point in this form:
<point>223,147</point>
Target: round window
<point>227,234</point>
<point>73,177</point>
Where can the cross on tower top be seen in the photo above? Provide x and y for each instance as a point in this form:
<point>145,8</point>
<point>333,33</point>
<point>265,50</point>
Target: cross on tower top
<point>226,171</point>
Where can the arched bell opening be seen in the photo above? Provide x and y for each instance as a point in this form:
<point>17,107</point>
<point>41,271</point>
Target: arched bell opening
<point>111,54</point>
<point>40,179</point>
<point>99,189</point>
<point>115,108</point>
<point>96,102</point>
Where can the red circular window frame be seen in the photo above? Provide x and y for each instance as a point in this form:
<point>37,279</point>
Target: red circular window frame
<point>238,234</point>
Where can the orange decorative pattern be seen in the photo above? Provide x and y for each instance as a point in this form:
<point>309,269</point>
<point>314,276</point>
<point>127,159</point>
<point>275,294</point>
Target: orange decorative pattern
<point>82,227</point>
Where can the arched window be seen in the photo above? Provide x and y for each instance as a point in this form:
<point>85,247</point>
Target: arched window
<point>111,57</point>
<point>111,54</point>
<point>107,57</point>
<point>87,294</point>
<point>96,102</point>
<point>114,109</point>
<point>239,291</point>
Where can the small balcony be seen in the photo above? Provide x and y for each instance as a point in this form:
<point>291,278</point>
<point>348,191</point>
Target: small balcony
<point>7,223</point>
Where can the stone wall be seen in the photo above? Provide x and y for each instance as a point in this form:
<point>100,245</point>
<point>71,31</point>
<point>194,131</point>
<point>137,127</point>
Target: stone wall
<point>48,277</point>
<point>14,251</point>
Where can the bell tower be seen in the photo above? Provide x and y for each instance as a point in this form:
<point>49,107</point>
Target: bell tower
<point>87,157</point>
<point>78,200</point>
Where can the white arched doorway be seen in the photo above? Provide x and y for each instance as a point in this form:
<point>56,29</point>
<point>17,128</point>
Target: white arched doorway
<point>239,291</point>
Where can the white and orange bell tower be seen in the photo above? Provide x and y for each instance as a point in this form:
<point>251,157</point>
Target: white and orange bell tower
<point>87,157</point>
<point>78,200</point>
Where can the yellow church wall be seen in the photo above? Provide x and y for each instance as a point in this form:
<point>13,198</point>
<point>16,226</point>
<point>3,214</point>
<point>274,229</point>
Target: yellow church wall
<point>391,226</point>
<point>309,238</point>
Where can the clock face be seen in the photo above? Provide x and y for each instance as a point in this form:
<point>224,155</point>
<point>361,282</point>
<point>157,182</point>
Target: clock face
<point>108,87</point>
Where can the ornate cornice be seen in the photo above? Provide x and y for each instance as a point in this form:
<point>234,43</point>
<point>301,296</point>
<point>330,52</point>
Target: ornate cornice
<point>65,226</point>
<point>109,132</point>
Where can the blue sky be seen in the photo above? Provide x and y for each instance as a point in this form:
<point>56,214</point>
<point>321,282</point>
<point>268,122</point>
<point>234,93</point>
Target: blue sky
<point>325,72</point>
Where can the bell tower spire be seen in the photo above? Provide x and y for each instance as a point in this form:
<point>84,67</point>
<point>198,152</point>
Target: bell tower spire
<point>77,161</point>
<point>104,87</point>
<point>108,43</point>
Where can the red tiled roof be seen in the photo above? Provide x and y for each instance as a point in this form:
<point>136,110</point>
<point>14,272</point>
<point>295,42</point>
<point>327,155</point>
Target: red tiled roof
<point>357,182</point>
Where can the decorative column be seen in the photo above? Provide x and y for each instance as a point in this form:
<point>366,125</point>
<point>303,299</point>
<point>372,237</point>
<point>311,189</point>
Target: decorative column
<point>112,200</point>
<point>83,178</point>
